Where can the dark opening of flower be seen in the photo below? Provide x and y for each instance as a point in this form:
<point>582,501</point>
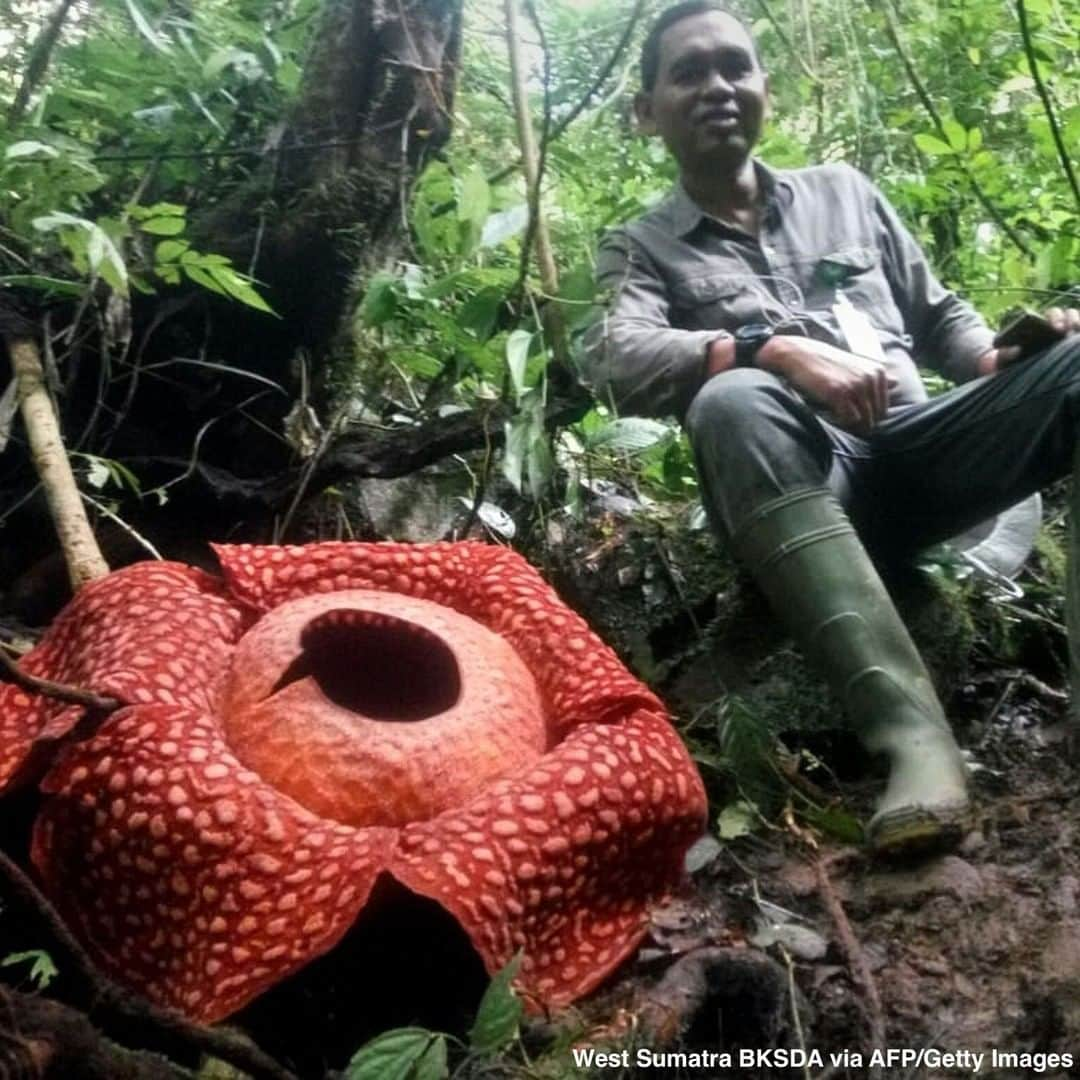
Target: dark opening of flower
<point>376,664</point>
<point>328,714</point>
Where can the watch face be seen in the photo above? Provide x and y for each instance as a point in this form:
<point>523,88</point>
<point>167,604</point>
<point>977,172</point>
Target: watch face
<point>753,332</point>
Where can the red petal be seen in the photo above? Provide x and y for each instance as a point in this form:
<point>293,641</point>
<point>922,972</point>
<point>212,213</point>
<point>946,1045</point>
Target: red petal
<point>581,678</point>
<point>566,861</point>
<point>184,874</point>
<point>155,631</point>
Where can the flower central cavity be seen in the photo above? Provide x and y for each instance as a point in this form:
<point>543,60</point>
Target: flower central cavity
<point>378,665</point>
<point>377,709</point>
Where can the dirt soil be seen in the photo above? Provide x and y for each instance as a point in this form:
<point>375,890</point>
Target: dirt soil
<point>978,950</point>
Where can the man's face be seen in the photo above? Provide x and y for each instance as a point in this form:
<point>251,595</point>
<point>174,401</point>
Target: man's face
<point>709,100</point>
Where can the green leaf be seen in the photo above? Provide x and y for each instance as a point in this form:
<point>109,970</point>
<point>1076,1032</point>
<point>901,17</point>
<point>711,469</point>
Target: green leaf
<point>480,312</point>
<point>932,145</point>
<point>518,430</point>
<point>401,1054</point>
<point>500,1012</point>
<point>631,434</point>
<point>202,277</point>
<point>838,823</point>
<point>238,286</point>
<point>147,31</point>
<point>475,196</point>
<point>42,969</point>
<point>46,284</point>
<point>955,133</point>
<point>27,147</point>
<point>380,301</point>
<point>105,259</point>
<point>517,357</point>
<point>164,226</point>
<point>170,250</point>
<point>735,820</point>
<point>503,224</point>
<point>473,204</point>
<point>539,462</point>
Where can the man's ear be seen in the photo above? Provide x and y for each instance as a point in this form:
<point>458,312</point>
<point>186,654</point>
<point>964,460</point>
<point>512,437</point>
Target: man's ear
<point>644,112</point>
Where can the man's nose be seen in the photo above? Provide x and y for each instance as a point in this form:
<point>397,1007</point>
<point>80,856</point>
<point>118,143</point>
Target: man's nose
<point>715,85</point>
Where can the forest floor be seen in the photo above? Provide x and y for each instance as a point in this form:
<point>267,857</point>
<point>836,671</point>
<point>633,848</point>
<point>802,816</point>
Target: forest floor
<point>784,937</point>
<point>976,951</point>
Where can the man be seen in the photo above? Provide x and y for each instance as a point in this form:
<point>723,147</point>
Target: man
<point>778,315</point>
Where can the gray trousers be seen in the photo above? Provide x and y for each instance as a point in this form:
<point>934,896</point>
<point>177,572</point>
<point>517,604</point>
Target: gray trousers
<point>928,471</point>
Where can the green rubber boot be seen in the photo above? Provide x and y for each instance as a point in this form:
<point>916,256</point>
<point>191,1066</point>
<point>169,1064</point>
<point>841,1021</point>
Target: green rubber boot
<point>804,554</point>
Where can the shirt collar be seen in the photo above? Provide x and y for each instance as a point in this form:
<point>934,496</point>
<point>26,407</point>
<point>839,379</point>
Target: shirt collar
<point>686,215</point>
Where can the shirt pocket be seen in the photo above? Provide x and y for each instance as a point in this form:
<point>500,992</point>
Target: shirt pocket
<point>722,302</point>
<point>858,273</point>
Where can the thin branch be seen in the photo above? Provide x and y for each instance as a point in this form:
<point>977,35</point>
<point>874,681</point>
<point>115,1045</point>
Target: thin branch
<point>581,105</point>
<point>583,102</point>
<point>81,552</point>
<point>893,31</point>
<point>40,58</point>
<point>154,1023</point>
<point>856,958</point>
<point>74,695</point>
<point>1044,95</point>
<point>788,44</point>
<point>533,162</point>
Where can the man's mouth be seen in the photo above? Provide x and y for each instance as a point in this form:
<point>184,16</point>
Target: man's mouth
<point>719,121</point>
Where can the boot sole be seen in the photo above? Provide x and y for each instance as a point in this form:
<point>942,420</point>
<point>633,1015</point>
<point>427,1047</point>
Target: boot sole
<point>918,830</point>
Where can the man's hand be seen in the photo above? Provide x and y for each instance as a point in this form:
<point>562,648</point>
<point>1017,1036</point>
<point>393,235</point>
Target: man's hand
<point>1065,321</point>
<point>854,389</point>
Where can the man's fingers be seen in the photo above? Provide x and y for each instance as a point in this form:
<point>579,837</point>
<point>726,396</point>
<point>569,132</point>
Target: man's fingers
<point>881,387</point>
<point>1007,354</point>
<point>1064,320</point>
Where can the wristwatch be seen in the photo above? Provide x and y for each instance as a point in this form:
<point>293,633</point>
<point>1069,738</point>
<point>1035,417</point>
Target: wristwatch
<point>748,340</point>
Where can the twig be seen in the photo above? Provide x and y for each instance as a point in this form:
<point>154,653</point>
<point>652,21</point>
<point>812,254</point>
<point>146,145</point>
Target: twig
<point>112,1000</point>
<point>593,89</point>
<point>893,31</point>
<point>533,162</point>
<point>793,998</point>
<point>1044,95</point>
<point>81,552</point>
<point>74,695</point>
<point>999,704</point>
<point>788,44</point>
<point>856,958</point>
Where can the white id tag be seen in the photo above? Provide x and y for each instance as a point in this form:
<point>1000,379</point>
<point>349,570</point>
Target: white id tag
<point>858,331</point>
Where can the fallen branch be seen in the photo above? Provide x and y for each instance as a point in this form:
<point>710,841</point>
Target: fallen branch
<point>378,452</point>
<point>124,1014</point>
<point>60,691</point>
<point>705,977</point>
<point>81,552</point>
<point>856,958</point>
<point>43,1038</point>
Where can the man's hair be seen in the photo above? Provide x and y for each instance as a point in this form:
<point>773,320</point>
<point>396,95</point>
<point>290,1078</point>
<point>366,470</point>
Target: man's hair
<point>650,50</point>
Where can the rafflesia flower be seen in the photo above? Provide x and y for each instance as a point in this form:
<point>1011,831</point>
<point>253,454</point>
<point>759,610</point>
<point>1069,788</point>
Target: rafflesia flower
<point>328,713</point>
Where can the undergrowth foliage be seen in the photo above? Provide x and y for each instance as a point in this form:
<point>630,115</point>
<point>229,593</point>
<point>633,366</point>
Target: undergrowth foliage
<point>966,115</point>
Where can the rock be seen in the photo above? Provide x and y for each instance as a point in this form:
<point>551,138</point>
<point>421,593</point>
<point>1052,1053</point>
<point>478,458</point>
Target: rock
<point>947,876</point>
<point>802,942</point>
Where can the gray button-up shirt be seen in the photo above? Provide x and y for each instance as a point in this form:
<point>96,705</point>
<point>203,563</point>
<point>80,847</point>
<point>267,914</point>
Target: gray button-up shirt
<point>677,275</point>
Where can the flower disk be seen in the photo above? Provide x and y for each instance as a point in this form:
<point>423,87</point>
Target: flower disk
<point>334,712</point>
